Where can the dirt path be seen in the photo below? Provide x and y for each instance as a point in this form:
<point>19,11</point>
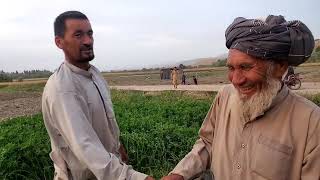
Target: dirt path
<point>307,87</point>
<point>21,104</point>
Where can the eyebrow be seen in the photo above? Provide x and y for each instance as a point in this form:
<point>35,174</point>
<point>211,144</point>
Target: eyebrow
<point>78,31</point>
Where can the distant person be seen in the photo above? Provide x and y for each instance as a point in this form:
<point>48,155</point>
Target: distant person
<point>174,77</point>
<point>195,81</point>
<point>161,74</point>
<point>257,128</point>
<point>183,79</point>
<point>77,111</point>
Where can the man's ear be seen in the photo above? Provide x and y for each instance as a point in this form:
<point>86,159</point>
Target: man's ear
<point>280,68</point>
<point>59,42</point>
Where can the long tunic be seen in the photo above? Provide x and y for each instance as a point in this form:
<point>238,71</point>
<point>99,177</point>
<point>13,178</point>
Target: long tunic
<point>80,121</point>
<point>282,143</point>
<point>174,76</point>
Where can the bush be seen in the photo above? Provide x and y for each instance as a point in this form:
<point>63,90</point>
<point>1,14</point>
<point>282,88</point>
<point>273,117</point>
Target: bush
<point>5,78</point>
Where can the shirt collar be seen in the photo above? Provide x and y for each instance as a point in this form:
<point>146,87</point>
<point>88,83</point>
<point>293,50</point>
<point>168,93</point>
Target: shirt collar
<point>282,94</point>
<point>77,70</point>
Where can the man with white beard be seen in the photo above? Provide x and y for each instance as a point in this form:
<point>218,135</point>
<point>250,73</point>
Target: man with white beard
<point>257,128</point>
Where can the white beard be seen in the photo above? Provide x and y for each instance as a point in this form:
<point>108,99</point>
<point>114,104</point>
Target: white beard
<point>259,102</point>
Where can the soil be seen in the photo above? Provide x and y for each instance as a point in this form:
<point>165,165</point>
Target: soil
<point>29,103</point>
<point>19,104</point>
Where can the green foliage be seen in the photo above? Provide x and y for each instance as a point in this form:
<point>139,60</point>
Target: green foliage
<point>25,74</point>
<point>220,63</point>
<point>23,87</point>
<point>314,98</point>
<point>24,148</point>
<point>157,130</point>
<point>4,77</point>
<point>315,56</point>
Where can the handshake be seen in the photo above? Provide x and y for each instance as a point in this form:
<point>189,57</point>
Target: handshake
<point>204,175</point>
<point>169,177</point>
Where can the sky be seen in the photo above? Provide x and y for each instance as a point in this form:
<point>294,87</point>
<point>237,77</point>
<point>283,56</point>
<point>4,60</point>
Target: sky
<point>133,34</point>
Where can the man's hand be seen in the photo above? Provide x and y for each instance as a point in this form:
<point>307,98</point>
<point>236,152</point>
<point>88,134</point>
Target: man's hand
<point>173,177</point>
<point>149,178</point>
<point>123,154</point>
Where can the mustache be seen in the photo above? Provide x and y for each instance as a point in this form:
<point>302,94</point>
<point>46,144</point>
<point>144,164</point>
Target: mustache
<point>247,85</point>
<point>86,48</point>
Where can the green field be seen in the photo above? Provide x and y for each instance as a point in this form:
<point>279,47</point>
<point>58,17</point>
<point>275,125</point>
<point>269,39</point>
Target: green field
<point>157,129</point>
<point>310,72</point>
<point>22,87</point>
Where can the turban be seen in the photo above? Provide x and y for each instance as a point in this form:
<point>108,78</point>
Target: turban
<point>275,38</point>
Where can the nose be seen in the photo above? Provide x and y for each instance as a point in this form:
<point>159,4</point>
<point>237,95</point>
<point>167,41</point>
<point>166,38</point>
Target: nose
<point>237,78</point>
<point>88,40</point>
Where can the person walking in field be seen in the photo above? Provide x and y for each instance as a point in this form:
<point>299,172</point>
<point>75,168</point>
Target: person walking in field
<point>183,79</point>
<point>257,128</point>
<point>195,81</point>
<point>77,111</point>
<point>174,77</point>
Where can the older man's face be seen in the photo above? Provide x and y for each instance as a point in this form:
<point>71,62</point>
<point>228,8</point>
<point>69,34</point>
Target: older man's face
<point>246,73</point>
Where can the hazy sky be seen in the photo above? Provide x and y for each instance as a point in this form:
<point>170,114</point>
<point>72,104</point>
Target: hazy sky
<point>135,33</point>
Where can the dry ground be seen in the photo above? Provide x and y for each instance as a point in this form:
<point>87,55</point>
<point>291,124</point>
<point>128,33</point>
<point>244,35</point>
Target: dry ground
<point>19,104</point>
<point>210,79</point>
<point>28,103</point>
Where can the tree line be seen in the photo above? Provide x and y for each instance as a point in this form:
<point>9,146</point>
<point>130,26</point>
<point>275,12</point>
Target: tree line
<point>19,76</point>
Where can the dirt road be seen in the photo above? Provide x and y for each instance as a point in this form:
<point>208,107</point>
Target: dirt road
<point>21,104</point>
<point>307,87</point>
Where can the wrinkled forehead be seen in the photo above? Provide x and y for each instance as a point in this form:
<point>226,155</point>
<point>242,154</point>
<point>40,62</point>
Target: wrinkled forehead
<point>237,57</point>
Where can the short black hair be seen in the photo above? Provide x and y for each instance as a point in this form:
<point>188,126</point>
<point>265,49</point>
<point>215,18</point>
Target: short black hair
<point>59,23</point>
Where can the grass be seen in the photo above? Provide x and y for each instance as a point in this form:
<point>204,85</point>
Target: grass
<point>22,87</point>
<point>314,98</point>
<point>165,125</point>
<point>24,148</point>
<point>157,129</point>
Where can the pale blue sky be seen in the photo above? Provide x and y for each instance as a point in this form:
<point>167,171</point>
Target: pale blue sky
<point>135,34</point>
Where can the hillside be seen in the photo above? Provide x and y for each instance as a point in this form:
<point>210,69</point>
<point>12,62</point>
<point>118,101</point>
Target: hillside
<point>204,61</point>
<point>317,43</point>
<point>210,60</point>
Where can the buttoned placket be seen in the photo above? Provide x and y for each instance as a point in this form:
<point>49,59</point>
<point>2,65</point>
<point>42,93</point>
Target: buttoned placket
<point>240,160</point>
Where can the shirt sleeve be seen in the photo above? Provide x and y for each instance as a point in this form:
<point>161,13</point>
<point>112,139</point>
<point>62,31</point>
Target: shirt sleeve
<point>311,161</point>
<point>198,159</point>
<point>70,114</point>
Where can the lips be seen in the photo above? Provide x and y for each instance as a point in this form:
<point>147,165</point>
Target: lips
<point>246,90</point>
<point>87,51</point>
